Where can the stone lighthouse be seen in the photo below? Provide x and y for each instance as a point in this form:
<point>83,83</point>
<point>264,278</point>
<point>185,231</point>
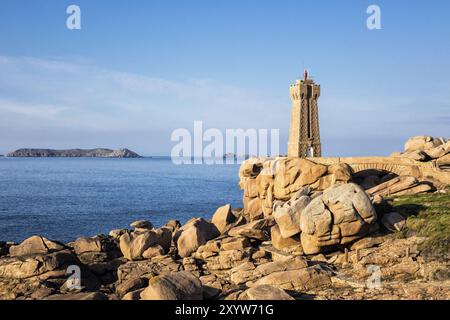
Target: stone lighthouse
<point>304,134</point>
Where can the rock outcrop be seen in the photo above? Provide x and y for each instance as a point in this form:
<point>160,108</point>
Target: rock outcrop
<point>398,186</point>
<point>432,148</point>
<point>223,218</point>
<point>426,148</point>
<point>296,280</point>
<point>193,234</point>
<point>342,214</point>
<point>266,180</point>
<point>175,286</point>
<point>265,292</point>
<point>35,245</point>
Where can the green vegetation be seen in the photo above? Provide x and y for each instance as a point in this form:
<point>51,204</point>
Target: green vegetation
<point>428,215</point>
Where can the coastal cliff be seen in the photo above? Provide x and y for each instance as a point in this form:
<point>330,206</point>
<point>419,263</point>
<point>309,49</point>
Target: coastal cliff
<point>95,153</point>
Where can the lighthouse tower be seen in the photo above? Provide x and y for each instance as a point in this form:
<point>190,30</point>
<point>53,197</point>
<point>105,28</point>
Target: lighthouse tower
<point>304,134</point>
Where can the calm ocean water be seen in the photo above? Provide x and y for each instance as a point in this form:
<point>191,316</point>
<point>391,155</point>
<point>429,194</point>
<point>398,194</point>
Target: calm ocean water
<point>63,198</point>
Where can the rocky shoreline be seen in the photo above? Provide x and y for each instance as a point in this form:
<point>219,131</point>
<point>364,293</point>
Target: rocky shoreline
<point>228,258</point>
<point>306,231</point>
<point>74,153</point>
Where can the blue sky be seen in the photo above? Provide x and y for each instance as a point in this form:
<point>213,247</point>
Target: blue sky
<point>137,70</point>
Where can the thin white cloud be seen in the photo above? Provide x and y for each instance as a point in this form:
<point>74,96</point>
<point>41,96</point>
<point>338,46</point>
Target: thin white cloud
<point>31,110</point>
<point>80,96</point>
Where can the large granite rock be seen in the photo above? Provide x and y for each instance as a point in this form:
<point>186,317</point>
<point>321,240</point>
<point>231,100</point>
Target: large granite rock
<point>420,143</point>
<point>298,280</point>
<point>343,213</point>
<point>133,245</point>
<point>401,185</point>
<point>173,225</point>
<point>234,243</point>
<point>245,272</point>
<point>226,260</point>
<point>193,234</point>
<point>145,241</point>
<point>164,238</point>
<point>287,215</point>
<point>35,245</point>
<point>294,173</point>
<point>130,285</point>
<point>27,266</point>
<point>223,218</point>
<point>265,292</point>
<point>258,229</point>
<point>98,243</point>
<point>147,268</point>
<point>266,180</point>
<point>439,151</point>
<point>100,255</point>
<point>426,148</point>
<point>291,244</point>
<point>141,225</point>
<point>174,286</point>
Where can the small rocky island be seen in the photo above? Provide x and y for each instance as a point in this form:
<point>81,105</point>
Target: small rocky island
<point>75,153</point>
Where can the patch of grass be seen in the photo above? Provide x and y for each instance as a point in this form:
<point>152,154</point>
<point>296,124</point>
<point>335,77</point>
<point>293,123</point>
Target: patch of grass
<point>428,215</point>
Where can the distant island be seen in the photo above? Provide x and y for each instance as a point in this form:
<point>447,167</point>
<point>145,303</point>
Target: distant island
<point>234,156</point>
<point>75,153</point>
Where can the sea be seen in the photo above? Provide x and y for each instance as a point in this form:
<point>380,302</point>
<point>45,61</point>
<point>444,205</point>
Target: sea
<point>64,198</point>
